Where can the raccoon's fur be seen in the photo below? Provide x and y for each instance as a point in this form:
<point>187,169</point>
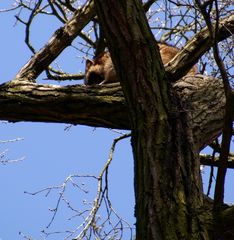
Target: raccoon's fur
<point>167,52</point>
<point>101,69</point>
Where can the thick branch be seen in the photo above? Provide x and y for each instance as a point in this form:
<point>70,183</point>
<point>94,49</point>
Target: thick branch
<point>64,36</point>
<point>98,107</point>
<point>104,106</point>
<point>61,39</point>
<point>204,98</point>
<point>196,47</point>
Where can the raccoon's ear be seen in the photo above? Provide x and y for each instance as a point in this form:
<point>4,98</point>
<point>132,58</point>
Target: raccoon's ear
<point>89,63</point>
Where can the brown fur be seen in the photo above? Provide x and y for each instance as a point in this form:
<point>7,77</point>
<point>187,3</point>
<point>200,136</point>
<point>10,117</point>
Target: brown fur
<point>168,52</point>
<point>101,69</point>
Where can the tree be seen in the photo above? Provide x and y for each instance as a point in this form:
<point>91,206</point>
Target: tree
<point>171,118</point>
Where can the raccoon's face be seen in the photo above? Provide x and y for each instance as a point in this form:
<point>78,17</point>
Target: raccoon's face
<point>93,73</point>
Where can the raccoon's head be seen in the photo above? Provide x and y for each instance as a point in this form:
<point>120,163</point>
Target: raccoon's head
<point>94,73</point>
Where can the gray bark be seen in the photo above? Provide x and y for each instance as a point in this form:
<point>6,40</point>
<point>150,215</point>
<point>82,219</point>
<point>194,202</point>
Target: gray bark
<point>104,106</point>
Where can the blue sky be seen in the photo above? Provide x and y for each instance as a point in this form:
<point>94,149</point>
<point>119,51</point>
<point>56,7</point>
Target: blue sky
<point>52,153</point>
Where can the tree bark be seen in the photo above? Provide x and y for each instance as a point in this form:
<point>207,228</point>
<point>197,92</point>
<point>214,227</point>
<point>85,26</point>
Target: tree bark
<point>167,178</point>
<point>61,39</point>
<point>169,123</point>
<point>104,106</point>
<point>196,47</point>
<point>26,101</point>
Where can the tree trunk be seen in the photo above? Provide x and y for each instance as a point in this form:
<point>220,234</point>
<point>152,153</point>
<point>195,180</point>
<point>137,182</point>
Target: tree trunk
<point>167,178</point>
<point>169,123</point>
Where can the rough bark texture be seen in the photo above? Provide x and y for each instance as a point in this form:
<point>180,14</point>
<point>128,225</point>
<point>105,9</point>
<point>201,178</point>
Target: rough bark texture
<point>200,97</point>
<point>104,106</point>
<point>64,36</point>
<point>167,181</point>
<point>25,101</point>
<point>196,47</point>
<point>169,123</point>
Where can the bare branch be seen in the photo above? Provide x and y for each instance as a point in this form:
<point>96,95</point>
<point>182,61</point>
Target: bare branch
<point>227,131</point>
<point>3,158</point>
<point>215,161</point>
<point>102,192</point>
<point>62,38</point>
<point>196,47</point>
<point>92,224</point>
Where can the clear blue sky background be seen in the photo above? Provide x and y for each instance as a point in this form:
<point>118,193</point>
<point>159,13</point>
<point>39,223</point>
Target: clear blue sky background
<point>51,153</point>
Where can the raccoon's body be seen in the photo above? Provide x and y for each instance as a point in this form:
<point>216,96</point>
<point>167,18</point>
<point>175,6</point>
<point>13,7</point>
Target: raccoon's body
<point>168,52</point>
<point>101,69</point>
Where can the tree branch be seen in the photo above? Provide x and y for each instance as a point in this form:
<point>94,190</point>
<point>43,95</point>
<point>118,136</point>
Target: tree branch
<point>92,106</point>
<point>209,161</point>
<point>225,223</point>
<point>61,39</point>
<point>196,47</point>
<point>104,106</point>
<point>227,129</point>
<point>64,36</point>
<point>204,98</point>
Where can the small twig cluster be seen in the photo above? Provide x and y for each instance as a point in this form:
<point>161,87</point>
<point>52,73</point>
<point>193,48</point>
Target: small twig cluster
<point>3,154</point>
<point>99,218</point>
<point>173,21</point>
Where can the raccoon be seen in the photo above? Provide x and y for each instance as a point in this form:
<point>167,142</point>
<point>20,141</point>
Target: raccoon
<point>168,52</point>
<point>101,69</point>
